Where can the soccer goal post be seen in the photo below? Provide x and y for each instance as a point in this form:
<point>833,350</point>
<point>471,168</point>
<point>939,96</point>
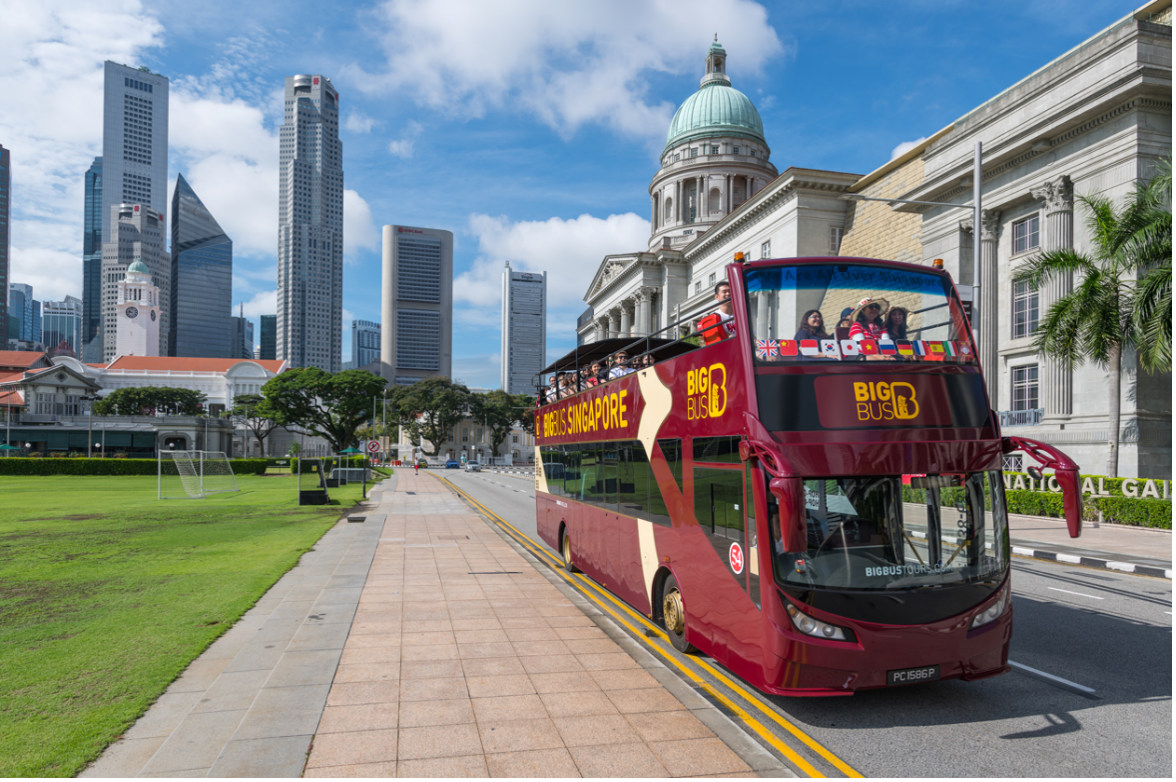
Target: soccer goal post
<point>197,474</point>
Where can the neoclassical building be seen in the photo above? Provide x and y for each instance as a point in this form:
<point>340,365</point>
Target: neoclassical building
<point>1092,122</point>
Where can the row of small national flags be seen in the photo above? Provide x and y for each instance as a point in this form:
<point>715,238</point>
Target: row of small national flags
<point>929,350</point>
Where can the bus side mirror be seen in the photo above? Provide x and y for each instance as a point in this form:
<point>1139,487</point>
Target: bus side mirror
<point>1065,471</point>
<point>1071,499</point>
<point>789,493</point>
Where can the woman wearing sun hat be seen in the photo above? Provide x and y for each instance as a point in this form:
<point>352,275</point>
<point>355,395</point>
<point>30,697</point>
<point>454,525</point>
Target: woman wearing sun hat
<point>868,319</point>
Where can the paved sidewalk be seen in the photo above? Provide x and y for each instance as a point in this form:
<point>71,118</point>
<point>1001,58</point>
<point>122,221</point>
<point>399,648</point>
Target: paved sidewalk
<point>422,643</point>
<point>1140,550</point>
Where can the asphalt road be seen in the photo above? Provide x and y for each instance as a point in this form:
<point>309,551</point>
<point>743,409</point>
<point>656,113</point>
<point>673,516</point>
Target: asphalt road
<point>1090,694</point>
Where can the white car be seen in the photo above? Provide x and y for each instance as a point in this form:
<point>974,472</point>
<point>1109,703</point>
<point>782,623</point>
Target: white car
<point>473,467</point>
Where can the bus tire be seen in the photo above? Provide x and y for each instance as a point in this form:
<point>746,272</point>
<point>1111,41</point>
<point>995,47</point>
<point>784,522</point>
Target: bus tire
<point>565,548</point>
<point>673,613</point>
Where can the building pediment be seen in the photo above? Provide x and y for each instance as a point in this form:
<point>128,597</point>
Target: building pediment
<point>611,269</point>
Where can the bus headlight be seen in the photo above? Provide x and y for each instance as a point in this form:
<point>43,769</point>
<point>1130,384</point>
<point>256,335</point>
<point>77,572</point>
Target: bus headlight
<point>816,628</point>
<point>993,612</point>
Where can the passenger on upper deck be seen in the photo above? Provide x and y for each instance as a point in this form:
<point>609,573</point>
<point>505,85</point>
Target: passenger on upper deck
<point>812,326</point>
<point>620,366</point>
<point>867,319</point>
<point>896,323</point>
<point>720,324</point>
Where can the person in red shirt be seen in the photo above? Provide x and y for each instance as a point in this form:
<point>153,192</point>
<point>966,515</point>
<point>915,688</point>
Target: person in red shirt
<point>720,324</point>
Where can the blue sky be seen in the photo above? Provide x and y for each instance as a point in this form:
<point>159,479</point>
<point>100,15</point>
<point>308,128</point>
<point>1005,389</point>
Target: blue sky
<point>530,129</point>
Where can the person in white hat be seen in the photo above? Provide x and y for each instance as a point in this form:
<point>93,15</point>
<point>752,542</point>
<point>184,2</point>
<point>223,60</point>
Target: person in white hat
<point>868,319</point>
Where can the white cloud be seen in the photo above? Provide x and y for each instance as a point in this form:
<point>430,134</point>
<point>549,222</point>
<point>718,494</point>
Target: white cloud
<point>262,303</point>
<point>403,146</point>
<point>566,63</point>
<point>359,230</point>
<point>358,122</point>
<point>905,147</point>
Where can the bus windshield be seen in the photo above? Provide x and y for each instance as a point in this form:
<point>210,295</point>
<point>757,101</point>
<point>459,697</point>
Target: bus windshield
<point>887,532</point>
<point>846,311</point>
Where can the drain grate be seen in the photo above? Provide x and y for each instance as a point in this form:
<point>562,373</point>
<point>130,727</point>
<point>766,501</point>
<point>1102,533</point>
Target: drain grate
<point>354,519</point>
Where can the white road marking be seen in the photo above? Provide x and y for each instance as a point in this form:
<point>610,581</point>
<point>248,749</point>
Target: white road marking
<point>1052,678</point>
<point>1080,594</point>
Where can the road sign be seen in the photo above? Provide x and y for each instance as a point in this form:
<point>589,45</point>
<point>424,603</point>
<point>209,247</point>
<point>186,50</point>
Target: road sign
<point>373,446</point>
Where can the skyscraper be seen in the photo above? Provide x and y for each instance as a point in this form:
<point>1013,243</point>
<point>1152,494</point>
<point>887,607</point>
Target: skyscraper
<point>242,337</point>
<point>90,350</point>
<point>5,214</point>
<point>26,309</point>
<point>524,329</point>
<point>365,343</point>
<point>61,321</point>
<point>416,328</point>
<point>201,280</point>
<point>136,234</point>
<point>133,188</point>
<point>310,226</point>
<point>268,349</point>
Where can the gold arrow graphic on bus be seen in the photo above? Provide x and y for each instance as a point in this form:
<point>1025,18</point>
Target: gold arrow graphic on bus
<point>658,404</point>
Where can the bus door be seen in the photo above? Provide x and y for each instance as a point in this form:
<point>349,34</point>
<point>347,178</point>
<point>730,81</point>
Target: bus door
<point>724,507</point>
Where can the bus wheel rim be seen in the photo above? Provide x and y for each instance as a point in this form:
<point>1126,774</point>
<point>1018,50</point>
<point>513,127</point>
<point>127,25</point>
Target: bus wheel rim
<point>675,614</point>
<point>567,548</point>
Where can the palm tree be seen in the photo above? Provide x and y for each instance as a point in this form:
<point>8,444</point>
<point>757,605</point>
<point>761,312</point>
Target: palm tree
<point>1151,241</point>
<point>1097,320</point>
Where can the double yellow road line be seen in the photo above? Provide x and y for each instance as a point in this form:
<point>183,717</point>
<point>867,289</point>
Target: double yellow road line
<point>748,709</point>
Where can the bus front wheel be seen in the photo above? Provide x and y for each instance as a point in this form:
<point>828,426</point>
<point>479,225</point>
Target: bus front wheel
<point>566,549</point>
<point>674,616</point>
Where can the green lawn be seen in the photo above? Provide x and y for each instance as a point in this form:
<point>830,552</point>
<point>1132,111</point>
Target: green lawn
<point>106,595</point>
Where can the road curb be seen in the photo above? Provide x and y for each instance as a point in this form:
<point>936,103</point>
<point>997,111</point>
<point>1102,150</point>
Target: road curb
<point>1095,562</point>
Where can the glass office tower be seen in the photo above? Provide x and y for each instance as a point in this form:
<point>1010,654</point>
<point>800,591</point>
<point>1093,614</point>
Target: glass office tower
<point>90,349</point>
<point>202,280</point>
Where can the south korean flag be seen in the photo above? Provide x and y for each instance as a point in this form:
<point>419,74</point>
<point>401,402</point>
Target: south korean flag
<point>829,349</point>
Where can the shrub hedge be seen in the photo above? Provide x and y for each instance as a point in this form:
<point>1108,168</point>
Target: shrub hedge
<point>30,466</point>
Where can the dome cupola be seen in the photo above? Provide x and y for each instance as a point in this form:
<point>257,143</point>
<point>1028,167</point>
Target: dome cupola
<point>717,109</point>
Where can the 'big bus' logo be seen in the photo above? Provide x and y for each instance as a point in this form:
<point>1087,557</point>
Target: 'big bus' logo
<point>882,401</point>
<point>706,392</point>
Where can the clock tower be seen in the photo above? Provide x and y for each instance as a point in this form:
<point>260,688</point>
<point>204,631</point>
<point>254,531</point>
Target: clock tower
<point>137,332</point>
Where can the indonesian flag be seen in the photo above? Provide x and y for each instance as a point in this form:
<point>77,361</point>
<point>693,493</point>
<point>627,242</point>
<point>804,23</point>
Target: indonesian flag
<point>810,347</point>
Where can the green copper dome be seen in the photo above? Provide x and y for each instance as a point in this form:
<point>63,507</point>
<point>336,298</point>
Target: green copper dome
<point>717,109</point>
<point>138,266</point>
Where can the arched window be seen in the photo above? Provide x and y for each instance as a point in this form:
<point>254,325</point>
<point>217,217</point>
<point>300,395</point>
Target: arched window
<point>669,211</point>
<point>715,202</point>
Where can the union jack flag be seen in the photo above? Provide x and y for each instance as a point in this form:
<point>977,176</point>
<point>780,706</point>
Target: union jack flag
<point>767,347</point>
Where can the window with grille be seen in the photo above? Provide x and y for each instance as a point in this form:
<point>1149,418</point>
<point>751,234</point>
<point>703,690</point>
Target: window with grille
<point>1027,234</point>
<point>1025,391</point>
<point>1024,310</point>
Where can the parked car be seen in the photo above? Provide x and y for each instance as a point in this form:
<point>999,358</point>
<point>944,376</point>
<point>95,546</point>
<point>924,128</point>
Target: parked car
<point>453,464</point>
<point>473,467</point>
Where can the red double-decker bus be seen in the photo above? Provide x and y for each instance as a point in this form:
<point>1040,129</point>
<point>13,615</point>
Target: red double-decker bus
<point>820,510</point>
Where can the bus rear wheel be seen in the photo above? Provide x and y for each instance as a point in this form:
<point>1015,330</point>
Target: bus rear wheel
<point>674,616</point>
<point>566,549</point>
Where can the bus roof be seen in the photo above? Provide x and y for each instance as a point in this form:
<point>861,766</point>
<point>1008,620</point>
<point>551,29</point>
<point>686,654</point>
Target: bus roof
<point>584,355</point>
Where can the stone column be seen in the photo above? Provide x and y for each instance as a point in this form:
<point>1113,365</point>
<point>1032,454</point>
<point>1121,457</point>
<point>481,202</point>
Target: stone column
<point>644,311</point>
<point>614,322</point>
<point>989,317</point>
<point>602,328</point>
<point>1057,391</point>
<point>626,318</point>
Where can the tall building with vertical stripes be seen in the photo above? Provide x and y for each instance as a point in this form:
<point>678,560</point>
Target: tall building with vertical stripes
<point>524,329</point>
<point>5,236</point>
<point>310,226</point>
<point>416,323</point>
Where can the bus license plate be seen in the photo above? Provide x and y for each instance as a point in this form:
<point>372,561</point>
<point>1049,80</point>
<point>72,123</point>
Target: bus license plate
<point>927,673</point>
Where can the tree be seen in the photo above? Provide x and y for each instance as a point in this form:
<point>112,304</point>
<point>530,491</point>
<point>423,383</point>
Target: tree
<point>1097,320</point>
<point>1150,214</point>
<point>500,411</point>
<point>430,409</point>
<point>254,413</point>
<point>331,406</point>
<point>151,400</point>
